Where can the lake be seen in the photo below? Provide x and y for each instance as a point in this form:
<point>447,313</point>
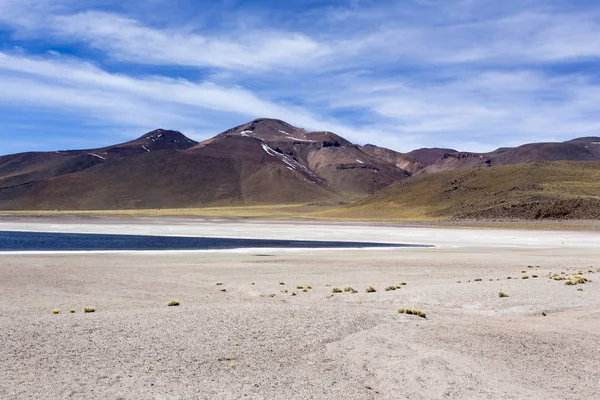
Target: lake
<point>47,241</point>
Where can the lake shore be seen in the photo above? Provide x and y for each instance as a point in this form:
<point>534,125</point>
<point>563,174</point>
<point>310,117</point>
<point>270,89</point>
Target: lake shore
<point>258,335</point>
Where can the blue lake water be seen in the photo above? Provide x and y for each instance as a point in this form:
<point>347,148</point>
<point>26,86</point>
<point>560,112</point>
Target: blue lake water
<point>45,241</point>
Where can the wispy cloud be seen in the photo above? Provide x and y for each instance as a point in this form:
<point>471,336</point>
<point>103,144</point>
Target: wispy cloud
<point>467,74</point>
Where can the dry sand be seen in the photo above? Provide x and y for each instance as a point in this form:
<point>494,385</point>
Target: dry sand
<point>244,344</point>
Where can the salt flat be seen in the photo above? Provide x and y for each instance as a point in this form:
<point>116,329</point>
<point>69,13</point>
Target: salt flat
<point>540,342</point>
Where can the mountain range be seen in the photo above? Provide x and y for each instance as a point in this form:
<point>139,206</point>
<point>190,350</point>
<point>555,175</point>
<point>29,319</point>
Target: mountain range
<point>265,161</point>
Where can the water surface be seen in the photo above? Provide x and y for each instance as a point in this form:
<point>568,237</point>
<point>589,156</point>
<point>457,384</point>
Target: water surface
<point>47,241</point>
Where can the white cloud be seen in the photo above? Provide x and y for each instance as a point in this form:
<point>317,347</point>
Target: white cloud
<point>471,75</point>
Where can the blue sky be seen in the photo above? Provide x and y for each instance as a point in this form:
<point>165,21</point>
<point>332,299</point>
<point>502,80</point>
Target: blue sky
<point>467,74</point>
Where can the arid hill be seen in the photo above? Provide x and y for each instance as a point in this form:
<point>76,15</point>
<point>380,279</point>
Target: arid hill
<point>549,190</point>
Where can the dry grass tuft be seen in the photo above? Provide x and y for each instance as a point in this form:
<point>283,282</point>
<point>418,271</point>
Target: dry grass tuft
<point>412,311</point>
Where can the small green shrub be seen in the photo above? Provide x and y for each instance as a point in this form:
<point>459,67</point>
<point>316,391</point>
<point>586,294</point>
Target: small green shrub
<point>524,277</point>
<point>350,289</point>
<point>390,288</point>
<point>56,311</point>
<point>402,283</point>
<point>72,311</point>
<point>336,290</point>
<point>173,303</point>
<point>299,287</point>
<point>282,283</point>
<point>478,279</point>
<point>89,309</point>
<point>219,283</point>
<point>502,294</point>
<point>371,289</point>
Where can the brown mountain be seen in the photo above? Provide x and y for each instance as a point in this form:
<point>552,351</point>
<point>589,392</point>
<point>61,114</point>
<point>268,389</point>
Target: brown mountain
<point>581,149</point>
<point>265,161</point>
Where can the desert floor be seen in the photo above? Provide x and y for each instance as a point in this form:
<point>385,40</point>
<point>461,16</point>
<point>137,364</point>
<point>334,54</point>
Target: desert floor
<point>257,341</point>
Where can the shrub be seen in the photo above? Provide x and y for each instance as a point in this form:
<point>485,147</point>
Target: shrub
<point>219,283</point>
<point>56,311</point>
<point>309,287</point>
<point>580,289</point>
<point>282,283</point>
<point>371,289</point>
<point>89,309</point>
<point>389,288</point>
<point>412,311</point>
<point>402,283</point>
<point>478,279</point>
<point>350,289</point>
<point>299,287</point>
<point>524,277</point>
<point>72,311</point>
<point>336,290</point>
<point>534,276</point>
<point>173,303</point>
<point>502,294</point>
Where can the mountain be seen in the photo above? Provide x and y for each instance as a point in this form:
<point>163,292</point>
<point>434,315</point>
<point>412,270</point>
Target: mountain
<point>265,161</point>
<point>549,190</point>
<point>581,149</point>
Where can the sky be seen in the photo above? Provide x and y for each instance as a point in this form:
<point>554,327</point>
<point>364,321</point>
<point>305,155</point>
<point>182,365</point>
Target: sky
<point>472,75</point>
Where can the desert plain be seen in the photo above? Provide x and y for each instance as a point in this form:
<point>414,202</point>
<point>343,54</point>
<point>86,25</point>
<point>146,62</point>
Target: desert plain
<point>249,327</point>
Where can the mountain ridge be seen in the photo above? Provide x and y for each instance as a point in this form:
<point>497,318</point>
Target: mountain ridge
<point>264,161</point>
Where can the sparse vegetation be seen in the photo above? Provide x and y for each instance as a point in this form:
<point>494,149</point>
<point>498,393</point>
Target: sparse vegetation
<point>350,289</point>
<point>402,283</point>
<point>525,277</point>
<point>502,294</point>
<point>336,290</point>
<point>89,309</point>
<point>282,283</point>
<point>309,287</point>
<point>412,311</point>
<point>534,276</point>
<point>371,289</point>
<point>478,279</point>
<point>299,287</point>
<point>173,303</point>
<point>219,283</point>
<point>390,288</point>
<point>580,289</point>
<point>72,311</point>
<point>56,311</point>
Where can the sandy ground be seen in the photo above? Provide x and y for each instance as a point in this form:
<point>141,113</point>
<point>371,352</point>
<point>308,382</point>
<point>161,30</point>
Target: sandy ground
<point>254,341</point>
